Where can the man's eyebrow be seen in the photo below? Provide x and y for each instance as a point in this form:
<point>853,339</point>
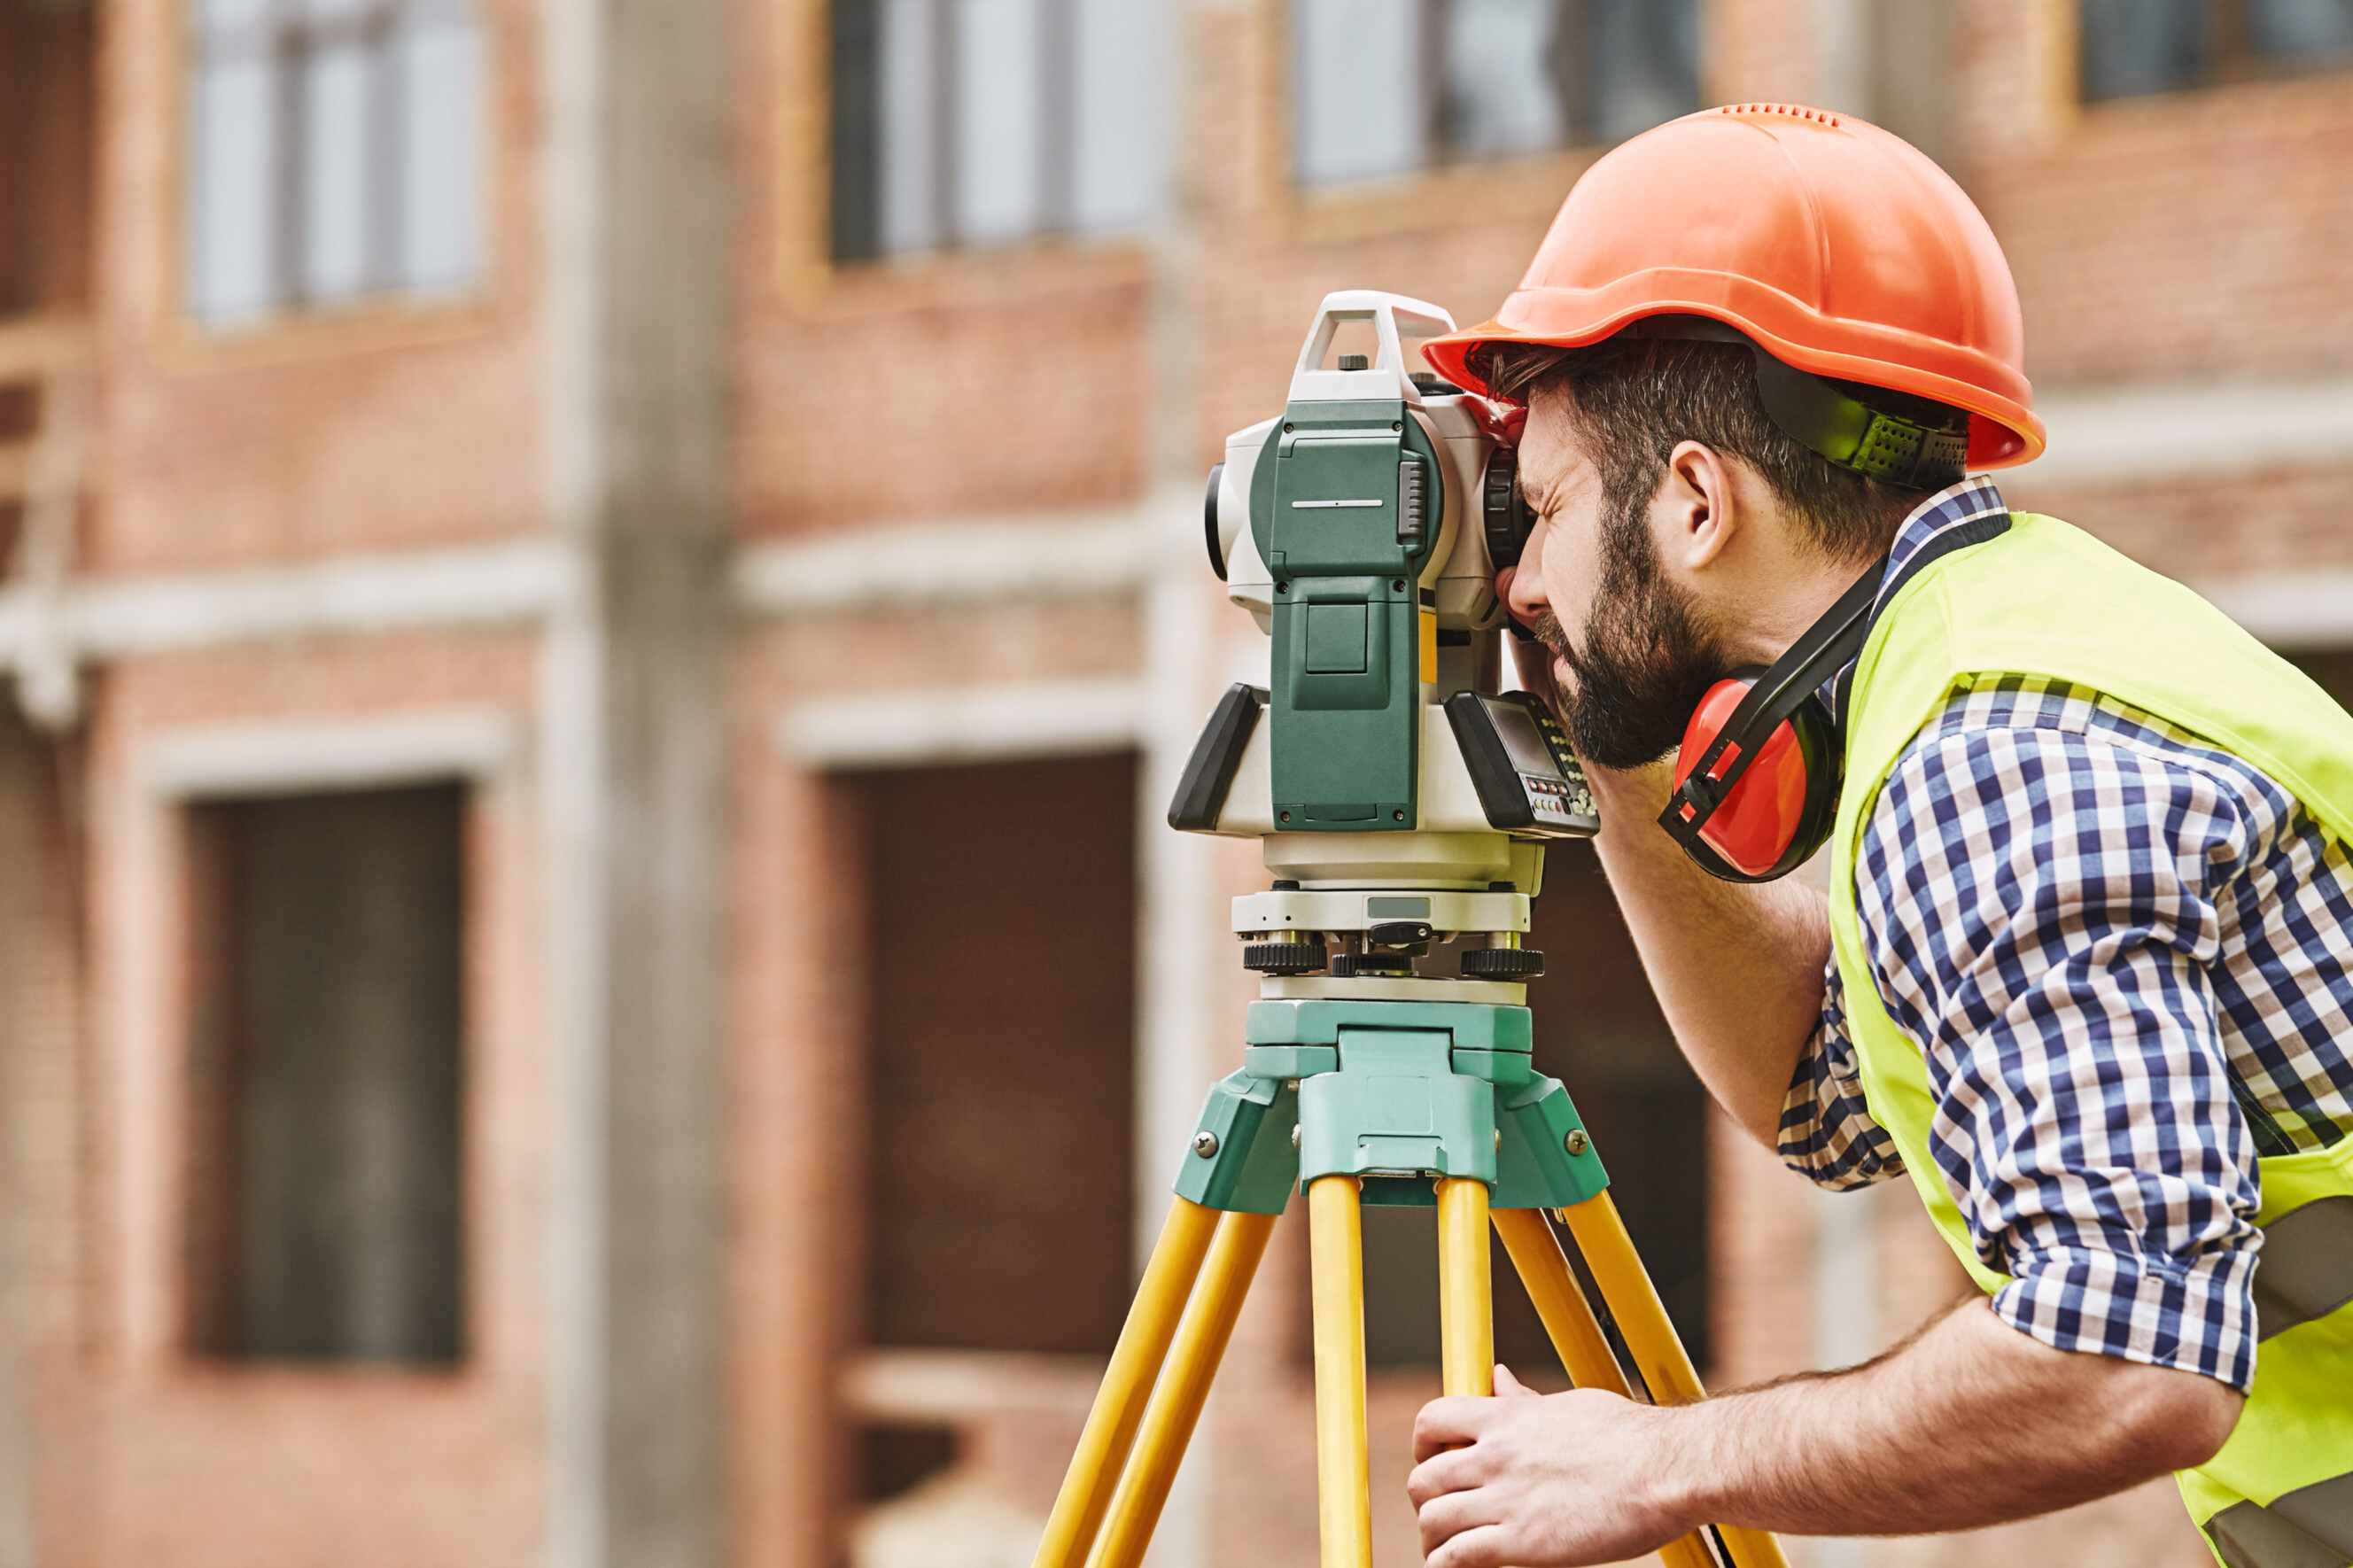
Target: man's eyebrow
<point>1539,502</point>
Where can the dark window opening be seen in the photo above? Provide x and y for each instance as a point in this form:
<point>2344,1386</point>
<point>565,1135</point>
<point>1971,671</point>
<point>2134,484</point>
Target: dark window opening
<point>896,1459</point>
<point>1386,88</point>
<point>2130,48</point>
<point>999,1000</point>
<point>1599,1031</point>
<point>2331,669</point>
<point>327,1063</point>
<point>47,142</point>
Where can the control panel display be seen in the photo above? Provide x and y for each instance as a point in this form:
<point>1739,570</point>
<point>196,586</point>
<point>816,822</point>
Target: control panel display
<point>1528,780</point>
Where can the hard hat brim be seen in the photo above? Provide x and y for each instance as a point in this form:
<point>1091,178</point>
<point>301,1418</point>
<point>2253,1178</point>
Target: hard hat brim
<point>2003,429</point>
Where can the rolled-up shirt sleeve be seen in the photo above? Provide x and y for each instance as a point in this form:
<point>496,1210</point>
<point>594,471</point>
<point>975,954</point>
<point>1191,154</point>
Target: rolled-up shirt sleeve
<point>1826,1132</point>
<point>2042,910</point>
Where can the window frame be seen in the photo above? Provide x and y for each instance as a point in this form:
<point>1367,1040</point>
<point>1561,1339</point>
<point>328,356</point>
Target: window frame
<point>1573,155</point>
<point>2237,82</point>
<point>810,283</point>
<point>156,1102</point>
<point>807,55</point>
<point>187,342</point>
<point>213,1219</point>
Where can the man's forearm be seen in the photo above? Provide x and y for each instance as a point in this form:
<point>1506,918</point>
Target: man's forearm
<point>1971,1423</point>
<point>1737,969</point>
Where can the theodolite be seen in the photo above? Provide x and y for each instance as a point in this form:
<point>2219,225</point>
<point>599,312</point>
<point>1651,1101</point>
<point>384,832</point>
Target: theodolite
<point>1402,802</point>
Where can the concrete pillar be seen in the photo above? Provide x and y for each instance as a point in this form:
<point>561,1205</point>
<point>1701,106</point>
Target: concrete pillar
<point>639,284</point>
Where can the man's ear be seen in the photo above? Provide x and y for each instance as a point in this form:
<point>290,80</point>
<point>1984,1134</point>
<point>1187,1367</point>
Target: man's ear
<point>1694,513</point>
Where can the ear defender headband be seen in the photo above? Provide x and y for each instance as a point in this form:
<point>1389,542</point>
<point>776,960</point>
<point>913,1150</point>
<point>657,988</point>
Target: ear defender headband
<point>1893,437</point>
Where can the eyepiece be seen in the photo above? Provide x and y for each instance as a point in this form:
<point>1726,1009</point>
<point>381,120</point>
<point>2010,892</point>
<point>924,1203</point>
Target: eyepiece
<point>1504,510</point>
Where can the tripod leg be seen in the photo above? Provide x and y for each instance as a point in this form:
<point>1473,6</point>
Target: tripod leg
<point>1658,1355</point>
<point>1466,1306</point>
<point>1343,1469</point>
<point>1184,1386</point>
<point>1575,1334</point>
<point>1127,1384</point>
<point>1560,1302</point>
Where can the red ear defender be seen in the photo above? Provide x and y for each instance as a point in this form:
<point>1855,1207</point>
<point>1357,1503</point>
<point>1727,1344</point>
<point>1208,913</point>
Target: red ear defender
<point>1757,780</point>
<point>1778,810</point>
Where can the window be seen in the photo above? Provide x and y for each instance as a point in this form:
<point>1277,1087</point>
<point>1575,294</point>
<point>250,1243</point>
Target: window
<point>1388,86</point>
<point>335,147</point>
<point>980,122</point>
<point>327,1064</point>
<point>999,1002</point>
<point>2133,47</point>
<point>48,139</point>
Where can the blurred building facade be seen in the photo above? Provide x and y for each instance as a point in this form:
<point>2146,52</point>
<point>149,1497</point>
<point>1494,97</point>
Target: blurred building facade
<point>601,602</point>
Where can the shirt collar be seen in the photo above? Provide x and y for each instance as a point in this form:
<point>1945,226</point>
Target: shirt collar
<point>1949,509</point>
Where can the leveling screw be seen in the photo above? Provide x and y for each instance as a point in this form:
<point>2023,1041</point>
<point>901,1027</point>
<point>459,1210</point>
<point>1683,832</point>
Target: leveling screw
<point>1575,1142</point>
<point>1205,1144</point>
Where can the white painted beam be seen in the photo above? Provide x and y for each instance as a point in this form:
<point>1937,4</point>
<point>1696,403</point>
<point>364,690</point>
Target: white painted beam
<point>516,583</point>
<point>926,729</point>
<point>2179,429</point>
<point>2290,610</point>
<point>292,759</point>
<point>1036,557</point>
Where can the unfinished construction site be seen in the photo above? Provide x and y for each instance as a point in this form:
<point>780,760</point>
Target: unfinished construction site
<point>602,605</point>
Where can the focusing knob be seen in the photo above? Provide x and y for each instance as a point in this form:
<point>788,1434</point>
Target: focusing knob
<point>1502,963</point>
<point>1283,957</point>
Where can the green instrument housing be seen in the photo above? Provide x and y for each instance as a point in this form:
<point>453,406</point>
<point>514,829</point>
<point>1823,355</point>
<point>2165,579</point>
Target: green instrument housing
<point>1346,503</point>
<point>1396,1094</point>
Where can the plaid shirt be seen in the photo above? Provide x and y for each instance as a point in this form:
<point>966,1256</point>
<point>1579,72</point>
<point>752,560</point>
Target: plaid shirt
<point>2126,955</point>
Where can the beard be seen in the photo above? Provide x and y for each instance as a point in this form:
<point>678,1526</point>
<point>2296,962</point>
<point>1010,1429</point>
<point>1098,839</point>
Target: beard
<point>1645,660</point>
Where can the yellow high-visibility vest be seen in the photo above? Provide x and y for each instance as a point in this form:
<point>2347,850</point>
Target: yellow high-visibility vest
<point>2046,599</point>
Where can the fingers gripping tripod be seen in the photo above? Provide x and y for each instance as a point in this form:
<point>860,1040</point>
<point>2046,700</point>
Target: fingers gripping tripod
<point>1400,803</point>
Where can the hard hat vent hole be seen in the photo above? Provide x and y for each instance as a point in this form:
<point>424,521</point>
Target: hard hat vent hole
<point>1819,116</point>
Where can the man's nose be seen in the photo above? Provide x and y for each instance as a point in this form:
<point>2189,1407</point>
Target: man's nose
<point>1521,586</point>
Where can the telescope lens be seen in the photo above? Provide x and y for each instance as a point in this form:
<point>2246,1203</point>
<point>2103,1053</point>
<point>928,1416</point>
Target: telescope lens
<point>1209,521</point>
<point>1505,510</point>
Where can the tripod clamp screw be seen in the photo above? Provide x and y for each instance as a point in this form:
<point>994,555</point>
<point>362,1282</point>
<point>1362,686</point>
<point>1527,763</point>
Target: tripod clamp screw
<point>1205,1144</point>
<point>1576,1143</point>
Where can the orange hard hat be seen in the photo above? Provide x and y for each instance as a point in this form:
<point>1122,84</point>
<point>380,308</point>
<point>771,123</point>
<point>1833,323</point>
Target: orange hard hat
<point>1835,247</point>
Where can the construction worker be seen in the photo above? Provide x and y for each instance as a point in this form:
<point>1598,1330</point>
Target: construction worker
<point>2082,970</point>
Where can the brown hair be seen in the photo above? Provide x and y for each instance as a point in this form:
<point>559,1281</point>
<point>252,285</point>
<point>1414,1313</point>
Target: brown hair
<point>1631,399</point>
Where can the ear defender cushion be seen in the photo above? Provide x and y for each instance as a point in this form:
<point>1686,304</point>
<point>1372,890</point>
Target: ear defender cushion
<point>1780,810</point>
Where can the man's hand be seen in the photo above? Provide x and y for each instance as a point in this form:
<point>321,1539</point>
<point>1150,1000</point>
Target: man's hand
<point>1536,1480</point>
<point>1967,1424</point>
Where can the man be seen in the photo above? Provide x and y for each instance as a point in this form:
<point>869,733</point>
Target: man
<point>2084,970</point>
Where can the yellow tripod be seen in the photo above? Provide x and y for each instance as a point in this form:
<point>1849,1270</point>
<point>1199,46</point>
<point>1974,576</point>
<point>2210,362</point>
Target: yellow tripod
<point>1192,1293</point>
